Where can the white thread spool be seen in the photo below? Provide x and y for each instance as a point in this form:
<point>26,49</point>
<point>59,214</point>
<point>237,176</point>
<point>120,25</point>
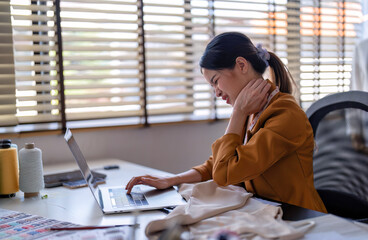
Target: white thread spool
<point>30,170</point>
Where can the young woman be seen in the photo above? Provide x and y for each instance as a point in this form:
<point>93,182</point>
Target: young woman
<point>268,144</point>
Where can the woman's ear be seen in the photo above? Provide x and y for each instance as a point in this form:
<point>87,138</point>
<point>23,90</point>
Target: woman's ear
<point>242,64</point>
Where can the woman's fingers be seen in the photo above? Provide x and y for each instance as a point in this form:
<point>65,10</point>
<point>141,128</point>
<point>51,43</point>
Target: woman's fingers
<point>134,181</point>
<point>262,86</point>
<point>127,185</point>
<point>265,88</point>
<point>257,87</point>
<point>257,83</point>
<point>157,182</point>
<point>152,181</point>
<point>149,181</point>
<point>255,96</point>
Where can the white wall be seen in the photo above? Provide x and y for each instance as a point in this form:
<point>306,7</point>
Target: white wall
<point>173,148</point>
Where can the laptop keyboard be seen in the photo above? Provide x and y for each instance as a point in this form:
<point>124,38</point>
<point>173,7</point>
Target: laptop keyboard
<point>119,198</point>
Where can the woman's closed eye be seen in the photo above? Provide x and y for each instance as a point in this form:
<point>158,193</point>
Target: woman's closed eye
<point>213,80</point>
<point>214,83</point>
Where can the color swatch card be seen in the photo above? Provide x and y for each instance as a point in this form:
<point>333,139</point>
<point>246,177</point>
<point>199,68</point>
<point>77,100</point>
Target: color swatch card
<point>19,226</point>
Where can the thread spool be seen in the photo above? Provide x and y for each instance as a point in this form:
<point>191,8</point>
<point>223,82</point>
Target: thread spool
<point>9,170</point>
<point>30,170</point>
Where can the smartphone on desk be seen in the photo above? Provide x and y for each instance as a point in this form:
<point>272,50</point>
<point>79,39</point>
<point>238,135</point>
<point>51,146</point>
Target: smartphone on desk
<point>81,183</point>
<point>71,177</point>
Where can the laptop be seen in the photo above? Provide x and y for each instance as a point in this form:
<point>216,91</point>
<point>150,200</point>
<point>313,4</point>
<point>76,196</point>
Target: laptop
<point>113,199</point>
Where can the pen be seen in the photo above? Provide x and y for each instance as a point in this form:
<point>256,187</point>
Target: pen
<point>166,210</point>
<point>89,227</point>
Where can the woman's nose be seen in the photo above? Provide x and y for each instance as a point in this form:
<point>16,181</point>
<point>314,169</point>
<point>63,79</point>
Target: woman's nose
<point>218,92</point>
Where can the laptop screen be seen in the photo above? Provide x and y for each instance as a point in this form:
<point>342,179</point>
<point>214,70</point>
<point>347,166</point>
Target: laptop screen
<point>82,163</point>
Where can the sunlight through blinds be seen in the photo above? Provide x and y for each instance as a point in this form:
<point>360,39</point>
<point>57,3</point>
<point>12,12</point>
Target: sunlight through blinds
<point>101,59</point>
<point>328,37</point>
<point>7,77</point>
<point>134,62</point>
<point>174,33</point>
<point>35,50</point>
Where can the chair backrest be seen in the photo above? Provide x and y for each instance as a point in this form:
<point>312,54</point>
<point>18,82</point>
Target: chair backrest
<point>320,108</point>
<point>341,173</point>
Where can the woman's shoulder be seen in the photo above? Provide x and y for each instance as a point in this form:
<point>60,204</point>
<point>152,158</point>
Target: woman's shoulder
<point>285,106</point>
<point>285,101</point>
<point>285,116</point>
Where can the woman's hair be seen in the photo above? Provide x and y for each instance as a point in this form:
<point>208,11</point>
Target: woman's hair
<point>224,48</point>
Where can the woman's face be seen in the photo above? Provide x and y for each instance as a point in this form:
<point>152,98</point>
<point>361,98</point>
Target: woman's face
<point>227,83</point>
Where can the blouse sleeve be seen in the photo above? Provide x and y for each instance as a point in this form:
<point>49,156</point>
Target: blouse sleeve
<point>205,169</point>
<point>283,132</point>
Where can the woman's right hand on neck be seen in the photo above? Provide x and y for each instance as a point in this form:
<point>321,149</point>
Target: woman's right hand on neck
<point>252,97</point>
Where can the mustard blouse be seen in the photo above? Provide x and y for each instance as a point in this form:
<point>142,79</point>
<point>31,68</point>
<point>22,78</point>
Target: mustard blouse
<point>277,160</point>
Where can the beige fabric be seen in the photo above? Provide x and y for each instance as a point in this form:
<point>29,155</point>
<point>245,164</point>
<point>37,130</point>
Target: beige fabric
<point>203,201</point>
<point>211,208</point>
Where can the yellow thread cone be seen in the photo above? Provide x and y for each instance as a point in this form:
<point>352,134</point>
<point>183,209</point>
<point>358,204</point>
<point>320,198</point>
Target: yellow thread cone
<point>9,172</point>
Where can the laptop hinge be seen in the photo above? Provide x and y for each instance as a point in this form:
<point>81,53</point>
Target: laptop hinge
<point>100,200</point>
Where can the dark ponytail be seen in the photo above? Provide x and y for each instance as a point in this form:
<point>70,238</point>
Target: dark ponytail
<point>282,76</point>
<point>224,48</point>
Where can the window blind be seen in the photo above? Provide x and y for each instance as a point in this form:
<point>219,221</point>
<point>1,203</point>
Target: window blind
<point>123,62</point>
<point>328,35</point>
<point>7,77</point>
<point>101,59</point>
<point>175,33</point>
<point>36,65</point>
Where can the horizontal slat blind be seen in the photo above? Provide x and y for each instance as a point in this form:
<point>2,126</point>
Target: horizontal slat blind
<point>328,37</point>
<point>202,31</point>
<point>35,48</point>
<point>172,36</point>
<point>7,77</point>
<point>138,59</point>
<point>101,59</point>
<point>293,41</point>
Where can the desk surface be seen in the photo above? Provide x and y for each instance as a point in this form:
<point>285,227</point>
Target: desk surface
<point>78,205</point>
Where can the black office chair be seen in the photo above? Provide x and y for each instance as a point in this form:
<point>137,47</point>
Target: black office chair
<point>340,172</point>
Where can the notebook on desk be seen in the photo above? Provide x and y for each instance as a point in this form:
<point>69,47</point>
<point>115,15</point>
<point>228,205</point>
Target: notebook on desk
<point>113,199</point>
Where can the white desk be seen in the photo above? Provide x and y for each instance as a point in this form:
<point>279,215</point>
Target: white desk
<point>78,205</point>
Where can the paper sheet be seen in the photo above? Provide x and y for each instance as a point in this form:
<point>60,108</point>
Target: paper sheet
<point>17,225</point>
